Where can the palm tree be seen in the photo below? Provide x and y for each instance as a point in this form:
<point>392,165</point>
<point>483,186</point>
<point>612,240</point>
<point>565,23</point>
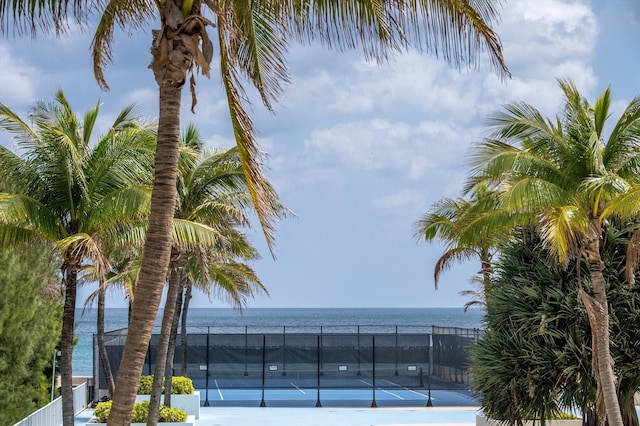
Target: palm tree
<point>73,196</point>
<point>213,191</point>
<point>462,224</point>
<point>533,308</point>
<point>251,41</point>
<point>212,202</point>
<point>559,175</point>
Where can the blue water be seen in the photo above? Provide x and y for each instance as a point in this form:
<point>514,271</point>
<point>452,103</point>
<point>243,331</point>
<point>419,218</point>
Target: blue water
<point>260,320</point>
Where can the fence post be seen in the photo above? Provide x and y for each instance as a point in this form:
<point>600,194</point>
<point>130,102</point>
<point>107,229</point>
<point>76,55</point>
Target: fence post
<point>284,350</point>
<point>318,372</point>
<point>429,369</point>
<point>206,377</point>
<point>264,357</point>
<point>246,348</point>
<point>396,351</point>
<point>373,359</point>
<point>358,351</point>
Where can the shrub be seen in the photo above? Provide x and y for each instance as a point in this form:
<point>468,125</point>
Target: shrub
<point>102,411</point>
<point>140,412</point>
<point>145,385</point>
<point>168,414</point>
<point>182,386</point>
<point>179,385</point>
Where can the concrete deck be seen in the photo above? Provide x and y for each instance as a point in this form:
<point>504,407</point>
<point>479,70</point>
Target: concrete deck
<point>328,416</point>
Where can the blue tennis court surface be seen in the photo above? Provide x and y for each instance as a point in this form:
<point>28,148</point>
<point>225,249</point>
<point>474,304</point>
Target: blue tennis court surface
<point>309,397</point>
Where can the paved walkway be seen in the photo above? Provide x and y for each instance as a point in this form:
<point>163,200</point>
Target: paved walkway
<point>327,416</point>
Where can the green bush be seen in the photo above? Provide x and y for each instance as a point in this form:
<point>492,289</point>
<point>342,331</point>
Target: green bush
<point>179,385</point>
<point>102,411</point>
<point>168,414</point>
<point>141,412</point>
<point>145,385</point>
<point>182,386</point>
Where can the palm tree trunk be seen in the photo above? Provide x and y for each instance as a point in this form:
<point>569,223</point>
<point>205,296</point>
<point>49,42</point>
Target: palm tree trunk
<point>183,329</point>
<point>155,258</point>
<point>168,368</point>
<point>163,342</point>
<point>102,349</point>
<point>70,277</point>
<point>598,313</point>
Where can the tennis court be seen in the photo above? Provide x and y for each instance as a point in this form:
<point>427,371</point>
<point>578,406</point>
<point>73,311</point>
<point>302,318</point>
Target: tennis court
<point>287,369</point>
<point>363,394</point>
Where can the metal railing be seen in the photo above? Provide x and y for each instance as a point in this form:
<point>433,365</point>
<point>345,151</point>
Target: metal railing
<point>51,414</point>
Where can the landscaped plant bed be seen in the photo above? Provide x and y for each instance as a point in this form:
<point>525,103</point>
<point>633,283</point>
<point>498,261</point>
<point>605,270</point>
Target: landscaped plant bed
<point>483,421</point>
<point>191,421</point>
<point>183,395</point>
<point>188,403</point>
<point>167,415</point>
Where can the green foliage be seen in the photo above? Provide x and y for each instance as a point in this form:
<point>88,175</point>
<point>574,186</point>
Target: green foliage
<point>535,358</point>
<point>168,414</point>
<point>182,386</point>
<point>145,385</point>
<point>140,412</point>
<point>30,325</point>
<point>179,385</point>
<point>102,411</point>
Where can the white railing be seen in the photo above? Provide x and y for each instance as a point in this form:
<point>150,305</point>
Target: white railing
<point>51,414</point>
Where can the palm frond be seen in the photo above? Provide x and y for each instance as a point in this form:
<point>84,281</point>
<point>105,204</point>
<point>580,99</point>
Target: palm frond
<point>262,196</point>
<point>257,46</point>
<point>451,256</point>
<point>20,211</point>
<point>29,17</point>
<point>130,14</point>
<point>562,229</point>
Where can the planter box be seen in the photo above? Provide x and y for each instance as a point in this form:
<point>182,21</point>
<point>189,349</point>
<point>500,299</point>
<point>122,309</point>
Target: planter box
<point>188,403</point>
<point>483,421</point>
<point>191,421</point>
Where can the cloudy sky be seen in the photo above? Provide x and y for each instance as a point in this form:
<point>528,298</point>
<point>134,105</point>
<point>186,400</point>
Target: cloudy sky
<point>357,150</point>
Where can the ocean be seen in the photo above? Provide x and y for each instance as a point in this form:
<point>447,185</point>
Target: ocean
<point>262,319</point>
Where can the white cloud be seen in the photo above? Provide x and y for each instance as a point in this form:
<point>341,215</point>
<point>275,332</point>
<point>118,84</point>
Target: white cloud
<point>17,86</point>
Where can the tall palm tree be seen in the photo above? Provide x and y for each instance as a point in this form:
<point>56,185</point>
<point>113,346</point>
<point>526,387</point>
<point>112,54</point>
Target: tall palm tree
<point>72,195</point>
<point>560,175</point>
<point>213,200</point>
<point>251,38</point>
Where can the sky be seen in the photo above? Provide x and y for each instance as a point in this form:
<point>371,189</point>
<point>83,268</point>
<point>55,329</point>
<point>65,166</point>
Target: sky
<point>357,150</point>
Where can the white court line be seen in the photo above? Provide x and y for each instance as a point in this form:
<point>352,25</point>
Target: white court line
<point>219,391</point>
<point>292,384</point>
<point>408,389</point>
<point>391,393</point>
<point>383,390</point>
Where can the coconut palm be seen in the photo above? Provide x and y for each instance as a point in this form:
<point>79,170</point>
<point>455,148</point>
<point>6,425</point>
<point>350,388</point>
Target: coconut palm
<point>559,175</point>
<point>462,224</point>
<point>213,198</point>
<point>251,39</point>
<point>71,195</point>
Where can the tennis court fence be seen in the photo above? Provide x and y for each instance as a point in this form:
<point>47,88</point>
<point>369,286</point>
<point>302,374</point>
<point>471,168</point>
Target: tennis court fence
<point>328,358</point>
